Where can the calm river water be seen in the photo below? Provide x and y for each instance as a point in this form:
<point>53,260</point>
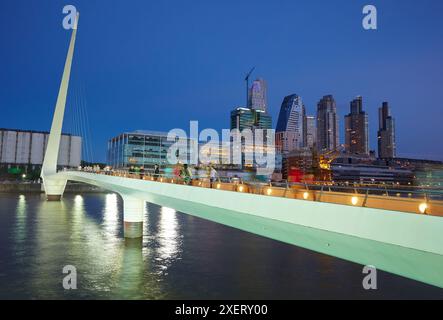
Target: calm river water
<point>180,257</point>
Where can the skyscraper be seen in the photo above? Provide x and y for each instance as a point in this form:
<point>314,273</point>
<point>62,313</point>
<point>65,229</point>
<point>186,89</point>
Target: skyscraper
<point>247,118</point>
<point>327,124</point>
<point>356,129</point>
<point>290,130</point>
<point>258,95</point>
<point>386,133</point>
<point>242,118</point>
<point>310,139</point>
<point>254,115</point>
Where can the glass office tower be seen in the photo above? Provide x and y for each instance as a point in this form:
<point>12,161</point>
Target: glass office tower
<point>247,118</point>
<point>139,148</point>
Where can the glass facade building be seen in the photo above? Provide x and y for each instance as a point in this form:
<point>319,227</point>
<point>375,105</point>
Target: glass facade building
<point>242,118</point>
<point>291,125</point>
<point>262,120</point>
<point>247,118</point>
<point>139,148</point>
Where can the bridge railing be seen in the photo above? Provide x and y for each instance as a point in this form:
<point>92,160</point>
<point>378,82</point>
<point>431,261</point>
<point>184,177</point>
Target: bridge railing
<point>425,201</point>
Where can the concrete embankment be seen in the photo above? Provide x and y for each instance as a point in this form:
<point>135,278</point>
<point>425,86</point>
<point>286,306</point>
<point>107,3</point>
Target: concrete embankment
<point>71,187</point>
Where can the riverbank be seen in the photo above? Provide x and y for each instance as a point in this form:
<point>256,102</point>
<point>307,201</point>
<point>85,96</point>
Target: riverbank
<point>28,187</point>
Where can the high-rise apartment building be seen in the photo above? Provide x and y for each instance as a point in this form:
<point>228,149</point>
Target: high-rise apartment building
<point>327,125</point>
<point>356,129</point>
<point>386,133</point>
<point>310,139</point>
<point>290,132</point>
<point>257,98</point>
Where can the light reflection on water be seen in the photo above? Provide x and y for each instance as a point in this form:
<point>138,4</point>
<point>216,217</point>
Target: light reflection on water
<point>179,257</point>
<point>111,220</point>
<point>168,235</point>
<point>21,221</point>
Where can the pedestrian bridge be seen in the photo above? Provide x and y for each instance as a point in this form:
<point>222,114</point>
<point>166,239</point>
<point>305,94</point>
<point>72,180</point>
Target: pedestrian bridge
<point>381,218</point>
<point>403,236</point>
<point>405,243</point>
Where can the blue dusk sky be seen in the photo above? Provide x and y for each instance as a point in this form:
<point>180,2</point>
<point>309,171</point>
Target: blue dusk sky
<point>156,65</point>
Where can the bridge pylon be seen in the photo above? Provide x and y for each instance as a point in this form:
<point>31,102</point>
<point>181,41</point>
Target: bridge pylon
<point>55,186</point>
<point>133,214</point>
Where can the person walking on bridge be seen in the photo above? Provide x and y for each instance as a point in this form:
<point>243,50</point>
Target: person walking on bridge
<point>177,170</point>
<point>156,172</point>
<point>212,175</point>
<point>186,174</point>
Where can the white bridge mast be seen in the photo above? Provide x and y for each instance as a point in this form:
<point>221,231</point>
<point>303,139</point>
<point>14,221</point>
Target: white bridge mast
<point>54,187</point>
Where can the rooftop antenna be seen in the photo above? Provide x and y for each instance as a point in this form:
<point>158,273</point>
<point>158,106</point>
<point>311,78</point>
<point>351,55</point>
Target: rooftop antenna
<point>247,86</point>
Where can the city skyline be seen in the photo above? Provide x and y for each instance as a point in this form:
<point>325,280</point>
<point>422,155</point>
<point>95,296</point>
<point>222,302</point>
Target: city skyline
<point>128,95</point>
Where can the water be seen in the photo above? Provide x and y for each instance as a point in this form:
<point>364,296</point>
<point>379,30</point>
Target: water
<point>180,257</point>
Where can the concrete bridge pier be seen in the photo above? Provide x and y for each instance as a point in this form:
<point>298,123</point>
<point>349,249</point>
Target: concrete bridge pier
<point>133,214</point>
<point>54,188</point>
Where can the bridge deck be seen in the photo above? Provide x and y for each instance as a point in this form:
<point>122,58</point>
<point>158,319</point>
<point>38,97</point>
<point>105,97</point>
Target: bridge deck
<point>402,201</point>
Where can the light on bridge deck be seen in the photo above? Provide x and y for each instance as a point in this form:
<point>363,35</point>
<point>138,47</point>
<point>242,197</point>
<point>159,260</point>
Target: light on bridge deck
<point>381,201</point>
<point>354,200</point>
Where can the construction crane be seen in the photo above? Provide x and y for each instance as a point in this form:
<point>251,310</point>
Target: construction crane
<point>327,158</point>
<point>322,164</point>
<point>247,85</point>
